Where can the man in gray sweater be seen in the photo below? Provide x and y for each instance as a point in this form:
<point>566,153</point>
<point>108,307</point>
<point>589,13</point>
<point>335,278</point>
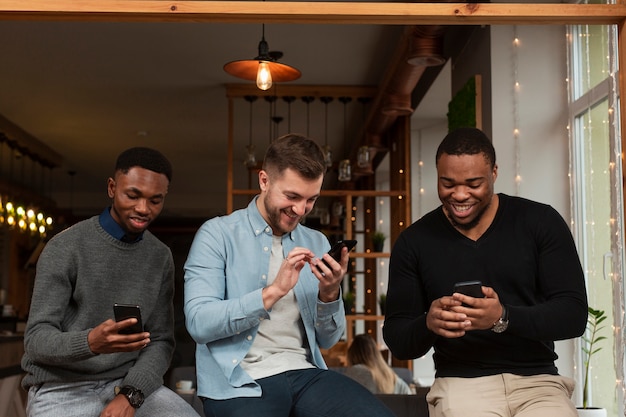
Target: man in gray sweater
<point>78,359</point>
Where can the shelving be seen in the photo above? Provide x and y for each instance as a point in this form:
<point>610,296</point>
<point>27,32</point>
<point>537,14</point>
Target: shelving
<point>361,192</point>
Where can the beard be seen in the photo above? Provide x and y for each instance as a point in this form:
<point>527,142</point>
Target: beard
<point>473,223</point>
<point>274,220</point>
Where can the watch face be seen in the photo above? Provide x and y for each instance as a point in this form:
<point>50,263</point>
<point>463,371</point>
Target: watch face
<point>500,326</point>
<point>135,396</point>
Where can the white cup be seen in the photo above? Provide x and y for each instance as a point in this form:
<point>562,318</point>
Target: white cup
<point>184,385</point>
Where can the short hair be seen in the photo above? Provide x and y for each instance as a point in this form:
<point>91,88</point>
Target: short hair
<point>147,158</point>
<point>298,153</point>
<point>467,141</point>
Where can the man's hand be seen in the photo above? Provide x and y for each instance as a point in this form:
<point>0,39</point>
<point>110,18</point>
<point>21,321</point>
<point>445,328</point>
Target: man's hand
<point>444,322</point>
<point>330,278</point>
<point>287,276</point>
<point>105,337</point>
<point>447,317</point>
<point>481,312</point>
<point>118,407</point>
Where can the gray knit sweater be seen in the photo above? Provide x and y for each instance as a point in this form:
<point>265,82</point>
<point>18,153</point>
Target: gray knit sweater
<point>81,273</point>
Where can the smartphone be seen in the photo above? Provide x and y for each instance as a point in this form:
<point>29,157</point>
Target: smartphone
<point>335,251</point>
<point>127,311</point>
<point>471,288</point>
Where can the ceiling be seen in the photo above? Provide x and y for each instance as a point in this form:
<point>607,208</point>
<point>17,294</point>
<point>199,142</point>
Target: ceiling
<point>88,90</point>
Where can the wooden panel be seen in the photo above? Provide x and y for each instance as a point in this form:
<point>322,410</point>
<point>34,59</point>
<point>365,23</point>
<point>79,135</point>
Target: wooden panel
<point>313,12</point>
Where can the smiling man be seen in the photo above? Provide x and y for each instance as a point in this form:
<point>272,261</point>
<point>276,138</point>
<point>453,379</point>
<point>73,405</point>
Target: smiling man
<point>494,355</point>
<point>79,362</point>
<point>258,307</point>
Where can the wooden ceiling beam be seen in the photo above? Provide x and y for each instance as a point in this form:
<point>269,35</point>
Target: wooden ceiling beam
<point>314,12</point>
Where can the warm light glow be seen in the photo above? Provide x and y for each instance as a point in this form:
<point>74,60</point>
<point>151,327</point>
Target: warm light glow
<point>264,76</point>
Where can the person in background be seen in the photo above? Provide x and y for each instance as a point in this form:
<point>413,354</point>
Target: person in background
<point>494,353</point>
<point>367,366</point>
<point>260,303</point>
<point>78,363</point>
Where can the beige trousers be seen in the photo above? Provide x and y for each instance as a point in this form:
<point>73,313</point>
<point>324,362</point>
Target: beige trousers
<point>504,395</point>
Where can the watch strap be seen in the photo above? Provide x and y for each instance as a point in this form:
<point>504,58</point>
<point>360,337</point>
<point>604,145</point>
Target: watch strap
<point>502,324</point>
<point>134,395</point>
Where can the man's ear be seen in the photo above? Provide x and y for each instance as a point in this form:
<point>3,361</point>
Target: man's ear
<point>263,180</point>
<point>111,187</point>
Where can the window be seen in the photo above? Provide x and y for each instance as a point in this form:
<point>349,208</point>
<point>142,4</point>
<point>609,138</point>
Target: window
<point>597,198</point>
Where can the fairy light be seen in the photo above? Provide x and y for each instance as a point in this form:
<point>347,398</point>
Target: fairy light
<point>592,246</point>
<point>516,91</point>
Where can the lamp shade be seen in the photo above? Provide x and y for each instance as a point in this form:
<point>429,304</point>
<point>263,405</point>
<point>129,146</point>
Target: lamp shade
<point>264,69</point>
<point>248,69</point>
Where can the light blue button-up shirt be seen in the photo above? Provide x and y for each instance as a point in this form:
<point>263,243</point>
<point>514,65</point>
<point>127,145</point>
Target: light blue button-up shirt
<point>225,272</point>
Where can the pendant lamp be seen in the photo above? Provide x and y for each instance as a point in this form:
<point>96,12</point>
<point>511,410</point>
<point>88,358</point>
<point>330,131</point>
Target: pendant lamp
<point>328,154</point>
<point>264,69</point>
<point>250,160</point>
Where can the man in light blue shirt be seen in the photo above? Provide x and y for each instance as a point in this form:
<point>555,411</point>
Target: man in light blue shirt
<point>260,303</point>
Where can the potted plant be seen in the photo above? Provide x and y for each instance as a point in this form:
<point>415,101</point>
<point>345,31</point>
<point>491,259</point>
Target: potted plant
<point>382,302</point>
<point>589,347</point>
<point>348,302</point>
<point>378,240</point>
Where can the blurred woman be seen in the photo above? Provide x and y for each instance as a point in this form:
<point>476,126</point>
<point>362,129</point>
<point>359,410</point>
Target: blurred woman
<point>368,367</point>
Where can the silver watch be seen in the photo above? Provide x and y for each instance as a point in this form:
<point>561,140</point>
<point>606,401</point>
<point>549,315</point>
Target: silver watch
<point>503,323</point>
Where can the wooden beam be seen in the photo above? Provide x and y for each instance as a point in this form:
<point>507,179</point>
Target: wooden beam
<point>313,12</point>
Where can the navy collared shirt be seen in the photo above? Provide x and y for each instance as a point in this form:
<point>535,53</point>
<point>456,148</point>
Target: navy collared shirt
<point>113,228</point>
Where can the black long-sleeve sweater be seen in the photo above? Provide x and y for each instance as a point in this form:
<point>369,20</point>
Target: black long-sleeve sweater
<point>527,255</point>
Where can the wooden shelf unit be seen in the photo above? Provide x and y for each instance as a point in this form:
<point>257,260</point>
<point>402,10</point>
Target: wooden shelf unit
<point>398,149</point>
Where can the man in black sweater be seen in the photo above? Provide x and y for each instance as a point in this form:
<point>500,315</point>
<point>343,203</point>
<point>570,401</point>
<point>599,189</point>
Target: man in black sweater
<point>494,354</point>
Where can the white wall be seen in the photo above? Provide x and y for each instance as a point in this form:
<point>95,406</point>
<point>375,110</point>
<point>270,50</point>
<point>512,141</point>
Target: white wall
<point>538,109</point>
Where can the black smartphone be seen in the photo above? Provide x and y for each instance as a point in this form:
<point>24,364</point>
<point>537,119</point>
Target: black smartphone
<point>335,251</point>
<point>127,311</point>
<point>471,288</point>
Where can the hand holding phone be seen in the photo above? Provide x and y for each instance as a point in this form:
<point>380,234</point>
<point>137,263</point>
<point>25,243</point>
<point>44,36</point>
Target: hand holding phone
<point>335,251</point>
<point>471,288</point>
<point>127,311</point>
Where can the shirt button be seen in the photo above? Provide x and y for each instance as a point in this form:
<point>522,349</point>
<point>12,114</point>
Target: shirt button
<point>266,249</point>
<point>249,337</point>
<point>264,277</point>
<point>234,360</point>
<point>267,229</point>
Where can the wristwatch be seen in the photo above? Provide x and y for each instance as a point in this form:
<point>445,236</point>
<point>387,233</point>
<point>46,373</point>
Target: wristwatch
<point>134,395</point>
<point>503,323</point>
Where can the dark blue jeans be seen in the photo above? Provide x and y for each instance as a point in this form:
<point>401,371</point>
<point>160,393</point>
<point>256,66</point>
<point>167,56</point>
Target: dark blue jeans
<point>303,393</point>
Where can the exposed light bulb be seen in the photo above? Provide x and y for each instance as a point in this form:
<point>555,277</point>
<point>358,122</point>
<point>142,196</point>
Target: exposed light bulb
<point>264,76</point>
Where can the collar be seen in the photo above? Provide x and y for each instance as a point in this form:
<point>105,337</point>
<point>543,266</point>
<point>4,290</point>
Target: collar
<point>113,228</point>
<point>260,226</point>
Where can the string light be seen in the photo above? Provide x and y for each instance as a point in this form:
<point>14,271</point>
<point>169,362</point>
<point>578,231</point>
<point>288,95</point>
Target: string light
<point>14,212</point>
<point>516,123</point>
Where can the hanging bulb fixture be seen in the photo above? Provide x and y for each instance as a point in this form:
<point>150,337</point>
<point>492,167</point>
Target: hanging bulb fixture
<point>250,160</point>
<point>345,168</point>
<point>328,154</point>
<point>308,100</point>
<point>264,69</point>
